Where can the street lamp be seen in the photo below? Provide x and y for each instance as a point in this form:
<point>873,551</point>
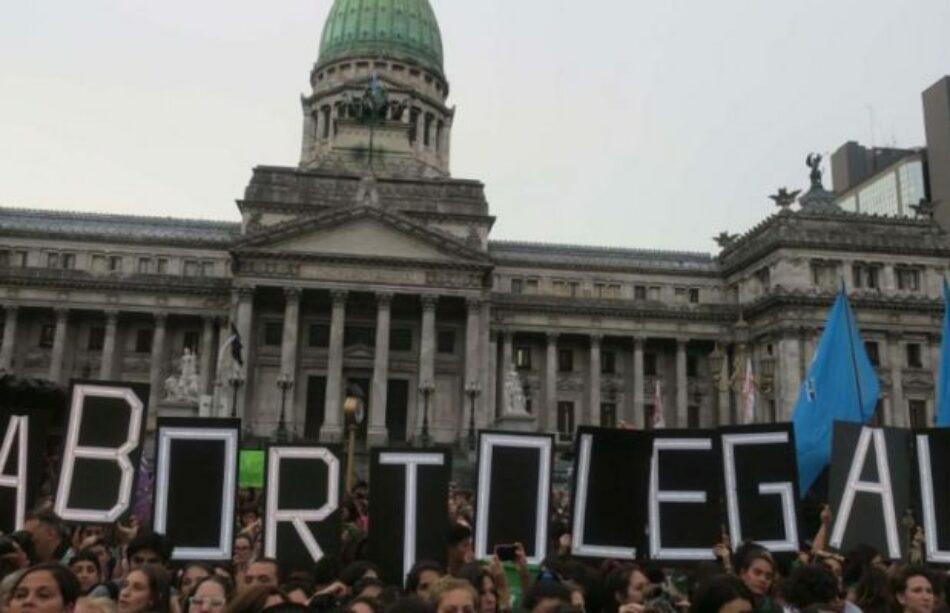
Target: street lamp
<point>284,382</point>
<point>472,390</point>
<point>235,381</point>
<point>353,415</point>
<point>426,388</point>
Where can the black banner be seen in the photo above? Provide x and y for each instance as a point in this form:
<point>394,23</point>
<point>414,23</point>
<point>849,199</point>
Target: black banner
<point>760,485</point>
<point>196,486</point>
<point>22,447</point>
<point>684,495</point>
<point>933,469</point>
<point>101,451</point>
<point>514,488</point>
<point>610,511</point>
<point>870,487</point>
<point>413,487</point>
<point>302,505</point>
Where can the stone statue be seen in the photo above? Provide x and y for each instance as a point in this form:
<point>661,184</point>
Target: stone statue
<point>813,161</point>
<point>183,387</point>
<point>725,239</point>
<point>785,199</point>
<point>514,394</point>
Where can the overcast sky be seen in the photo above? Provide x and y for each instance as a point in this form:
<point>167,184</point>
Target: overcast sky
<point>636,123</point>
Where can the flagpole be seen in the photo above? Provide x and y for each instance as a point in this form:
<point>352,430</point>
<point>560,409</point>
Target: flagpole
<point>854,358</point>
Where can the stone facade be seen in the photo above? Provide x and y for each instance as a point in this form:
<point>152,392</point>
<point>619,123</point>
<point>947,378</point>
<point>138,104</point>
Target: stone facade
<point>381,281</point>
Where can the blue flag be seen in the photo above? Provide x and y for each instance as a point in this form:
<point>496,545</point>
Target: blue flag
<point>841,385</point>
<point>943,382</point>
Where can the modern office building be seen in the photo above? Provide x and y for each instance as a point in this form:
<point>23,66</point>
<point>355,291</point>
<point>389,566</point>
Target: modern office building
<point>369,269</point>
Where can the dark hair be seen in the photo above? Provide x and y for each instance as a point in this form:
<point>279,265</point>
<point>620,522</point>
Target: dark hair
<point>68,583</point>
<point>546,589</point>
<point>811,584</point>
<point>246,537</point>
<point>909,572</point>
<point>293,586</point>
<point>354,571</point>
<point>253,598</point>
<point>616,584</point>
<point>412,578</point>
<point>719,591</point>
<point>159,586</point>
<point>872,591</point>
<point>151,541</point>
<point>458,533</point>
<point>474,573</point>
<point>188,565</point>
<point>25,540</point>
<point>86,555</point>
<point>273,562</point>
<point>409,604</point>
<point>49,518</point>
<point>747,553</point>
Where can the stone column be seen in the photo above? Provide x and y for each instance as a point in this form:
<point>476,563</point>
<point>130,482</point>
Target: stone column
<point>682,385</point>
<point>899,416</point>
<point>594,409</point>
<point>333,407</point>
<point>547,419</point>
<point>288,353</point>
<point>59,346</point>
<point>639,416</point>
<point>107,363</point>
<point>156,375</point>
<point>208,355</point>
<point>9,338</point>
<point>483,403</point>
<point>491,394</point>
<point>426,359</point>
<point>472,356</point>
<point>788,375</point>
<point>724,393</point>
<point>244,324</point>
<point>507,363</point>
<point>378,433</point>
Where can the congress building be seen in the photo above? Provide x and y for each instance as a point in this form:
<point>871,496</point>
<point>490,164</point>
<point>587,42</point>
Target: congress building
<point>369,271</point>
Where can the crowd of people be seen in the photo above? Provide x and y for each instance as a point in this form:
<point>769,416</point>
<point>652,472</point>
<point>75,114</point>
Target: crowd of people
<point>50,567</point>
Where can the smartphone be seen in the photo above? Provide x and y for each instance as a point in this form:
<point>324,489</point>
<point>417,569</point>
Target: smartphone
<point>506,553</point>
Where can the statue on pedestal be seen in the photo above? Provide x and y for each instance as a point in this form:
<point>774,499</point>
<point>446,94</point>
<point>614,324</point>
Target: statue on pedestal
<point>514,394</point>
<point>184,386</point>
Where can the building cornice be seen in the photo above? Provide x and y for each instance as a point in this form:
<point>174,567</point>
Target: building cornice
<point>79,280</point>
<point>718,313</point>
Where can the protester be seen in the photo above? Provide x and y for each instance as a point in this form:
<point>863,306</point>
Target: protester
<point>85,565</point>
<point>723,594</point>
<point>459,549</point>
<point>211,594</point>
<point>49,537</point>
<point>146,590</point>
<point>265,571</point>
<point>46,588</point>
<point>98,604</point>
<point>423,575</point>
<point>914,590</point>
<point>451,595</point>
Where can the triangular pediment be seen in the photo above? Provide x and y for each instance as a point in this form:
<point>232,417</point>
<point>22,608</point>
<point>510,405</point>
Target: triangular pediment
<point>363,232</point>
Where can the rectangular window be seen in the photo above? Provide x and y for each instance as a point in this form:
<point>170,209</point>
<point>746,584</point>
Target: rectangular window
<point>446,342</point>
<point>608,415</point>
<point>4,259</point>
<point>97,336</point>
<point>873,351</point>
<point>68,261</point>
<point>190,341</point>
<point>21,259</point>
<point>359,335</point>
<point>115,263</point>
<point>207,269</point>
<point>273,333</point>
<point>692,416</point>
<point>559,288</point>
<point>692,366</point>
<point>531,286</point>
<point>161,266</point>
<point>908,279</point>
<point>99,263</point>
<point>318,335</point>
<point>565,360</point>
<point>914,359</point>
<point>523,358</point>
<point>654,292</point>
<point>52,260</point>
<point>191,268</point>
<point>649,364</point>
<point>145,266</point>
<point>47,334</point>
<point>608,363</point>
<point>565,418</point>
<point>694,295</point>
<point>918,413</point>
<point>143,340</point>
<point>517,286</point>
<point>400,339</point>
<point>866,276</point>
<point>639,292</point>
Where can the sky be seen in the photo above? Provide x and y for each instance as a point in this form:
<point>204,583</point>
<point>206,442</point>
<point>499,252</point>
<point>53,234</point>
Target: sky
<point>646,124</point>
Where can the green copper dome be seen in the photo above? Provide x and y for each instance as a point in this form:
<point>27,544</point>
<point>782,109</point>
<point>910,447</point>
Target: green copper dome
<point>397,29</point>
